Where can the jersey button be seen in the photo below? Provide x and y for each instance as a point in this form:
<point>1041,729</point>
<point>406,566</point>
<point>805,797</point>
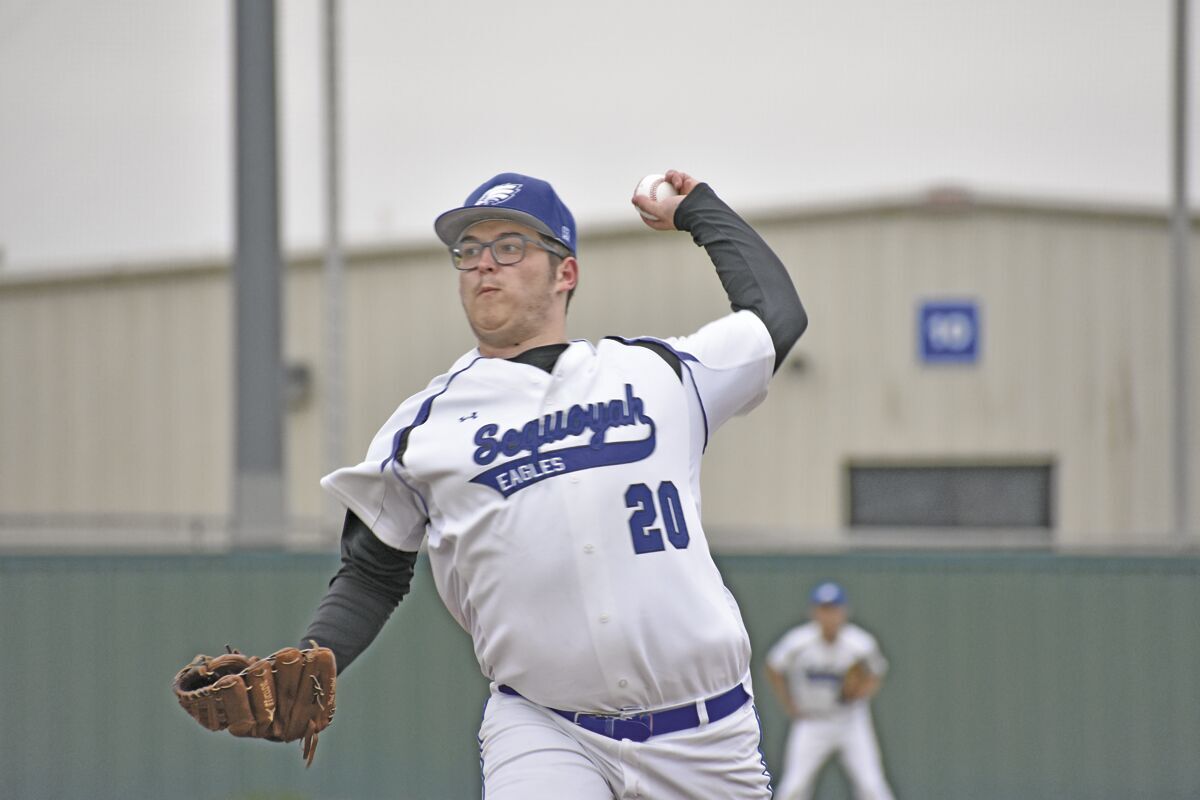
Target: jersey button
<point>604,617</point>
<point>622,683</point>
<point>587,548</point>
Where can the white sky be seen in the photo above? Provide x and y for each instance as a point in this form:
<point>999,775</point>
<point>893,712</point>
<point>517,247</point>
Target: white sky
<point>116,126</point>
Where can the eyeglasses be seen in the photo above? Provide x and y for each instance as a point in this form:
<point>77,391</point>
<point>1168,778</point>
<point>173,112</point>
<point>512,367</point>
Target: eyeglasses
<point>506,251</point>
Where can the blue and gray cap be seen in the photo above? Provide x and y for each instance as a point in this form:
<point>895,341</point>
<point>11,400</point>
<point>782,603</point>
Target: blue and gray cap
<point>523,199</point>
<point>828,594</point>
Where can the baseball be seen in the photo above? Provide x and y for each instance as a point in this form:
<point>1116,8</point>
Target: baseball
<point>656,187</point>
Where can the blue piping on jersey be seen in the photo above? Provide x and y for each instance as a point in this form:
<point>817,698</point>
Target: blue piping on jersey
<point>684,358</point>
<point>421,418</point>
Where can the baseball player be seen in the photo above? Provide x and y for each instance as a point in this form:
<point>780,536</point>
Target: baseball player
<point>807,668</point>
<point>556,486</point>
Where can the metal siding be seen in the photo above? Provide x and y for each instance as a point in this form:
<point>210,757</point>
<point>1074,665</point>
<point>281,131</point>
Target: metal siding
<point>116,391</point>
<point>115,399</point>
<point>1072,368</point>
<point>304,430</point>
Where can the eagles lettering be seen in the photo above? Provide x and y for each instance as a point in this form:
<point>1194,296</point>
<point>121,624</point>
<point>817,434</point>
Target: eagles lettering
<point>526,465</point>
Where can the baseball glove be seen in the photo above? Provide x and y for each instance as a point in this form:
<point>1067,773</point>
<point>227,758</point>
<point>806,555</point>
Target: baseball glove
<point>286,696</point>
<point>854,682</point>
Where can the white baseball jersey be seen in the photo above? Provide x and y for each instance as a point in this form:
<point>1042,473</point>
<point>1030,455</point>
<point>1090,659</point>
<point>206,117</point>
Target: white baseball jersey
<point>562,513</point>
<point>814,667</point>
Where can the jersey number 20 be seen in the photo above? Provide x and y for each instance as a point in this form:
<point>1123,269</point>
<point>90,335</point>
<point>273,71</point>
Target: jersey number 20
<point>645,538</point>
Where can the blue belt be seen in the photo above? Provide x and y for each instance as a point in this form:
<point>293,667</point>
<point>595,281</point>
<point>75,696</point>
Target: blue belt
<point>640,727</point>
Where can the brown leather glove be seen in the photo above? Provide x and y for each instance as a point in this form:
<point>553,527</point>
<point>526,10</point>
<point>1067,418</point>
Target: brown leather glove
<point>854,682</point>
<point>286,696</point>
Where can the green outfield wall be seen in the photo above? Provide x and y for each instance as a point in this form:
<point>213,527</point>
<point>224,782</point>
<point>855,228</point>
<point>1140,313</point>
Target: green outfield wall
<point>1014,676</point>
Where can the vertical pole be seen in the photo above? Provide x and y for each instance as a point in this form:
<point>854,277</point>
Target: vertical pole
<point>334,270</point>
<point>1181,231</point>
<point>259,509</point>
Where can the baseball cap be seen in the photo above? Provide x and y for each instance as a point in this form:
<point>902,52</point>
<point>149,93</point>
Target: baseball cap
<point>509,195</point>
<point>828,594</point>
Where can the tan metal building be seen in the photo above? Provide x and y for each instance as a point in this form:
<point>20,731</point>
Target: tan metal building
<point>977,371</point>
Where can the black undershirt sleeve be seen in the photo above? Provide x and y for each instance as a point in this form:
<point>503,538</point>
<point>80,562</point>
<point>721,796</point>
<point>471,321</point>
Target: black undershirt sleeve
<point>753,276</point>
<point>372,581</point>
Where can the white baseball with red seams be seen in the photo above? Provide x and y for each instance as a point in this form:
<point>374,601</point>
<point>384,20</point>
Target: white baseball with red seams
<point>655,187</point>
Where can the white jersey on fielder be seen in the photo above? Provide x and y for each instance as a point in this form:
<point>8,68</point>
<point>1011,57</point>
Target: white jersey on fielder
<point>814,667</point>
<point>562,513</point>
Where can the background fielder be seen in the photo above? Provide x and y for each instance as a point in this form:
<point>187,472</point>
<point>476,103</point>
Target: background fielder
<point>806,668</point>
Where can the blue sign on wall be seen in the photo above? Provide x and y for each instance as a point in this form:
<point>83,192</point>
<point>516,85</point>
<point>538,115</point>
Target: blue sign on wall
<point>948,331</point>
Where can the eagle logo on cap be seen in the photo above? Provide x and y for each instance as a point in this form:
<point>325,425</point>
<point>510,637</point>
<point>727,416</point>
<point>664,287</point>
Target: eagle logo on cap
<point>498,194</point>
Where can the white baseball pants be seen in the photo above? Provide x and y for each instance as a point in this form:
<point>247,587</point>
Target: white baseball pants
<point>528,752</point>
<point>848,733</point>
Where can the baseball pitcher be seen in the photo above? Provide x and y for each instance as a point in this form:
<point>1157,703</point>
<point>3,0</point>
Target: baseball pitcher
<point>556,486</point>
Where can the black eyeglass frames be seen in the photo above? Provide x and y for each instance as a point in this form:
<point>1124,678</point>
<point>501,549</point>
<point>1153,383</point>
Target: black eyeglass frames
<point>506,251</point>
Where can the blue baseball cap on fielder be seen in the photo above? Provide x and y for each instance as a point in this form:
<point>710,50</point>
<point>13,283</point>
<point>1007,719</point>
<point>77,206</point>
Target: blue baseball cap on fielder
<point>828,594</point>
<point>509,195</point>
